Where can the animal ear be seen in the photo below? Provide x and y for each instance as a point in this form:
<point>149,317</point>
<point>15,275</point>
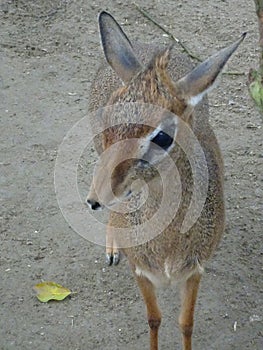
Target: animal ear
<point>117,48</point>
<point>193,86</point>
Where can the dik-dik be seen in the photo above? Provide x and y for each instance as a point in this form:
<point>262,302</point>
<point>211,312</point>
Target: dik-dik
<point>161,85</point>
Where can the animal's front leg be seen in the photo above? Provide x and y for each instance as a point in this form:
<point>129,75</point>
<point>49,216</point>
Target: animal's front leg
<point>186,320</point>
<point>153,313</point>
<point>112,251</point>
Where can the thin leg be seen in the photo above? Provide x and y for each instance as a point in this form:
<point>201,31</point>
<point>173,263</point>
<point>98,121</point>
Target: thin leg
<point>112,251</point>
<point>186,319</point>
<point>153,313</point>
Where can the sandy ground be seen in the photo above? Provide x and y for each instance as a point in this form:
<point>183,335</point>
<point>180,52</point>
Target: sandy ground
<point>49,54</point>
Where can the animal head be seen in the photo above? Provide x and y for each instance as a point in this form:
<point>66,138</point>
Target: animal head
<point>140,136</point>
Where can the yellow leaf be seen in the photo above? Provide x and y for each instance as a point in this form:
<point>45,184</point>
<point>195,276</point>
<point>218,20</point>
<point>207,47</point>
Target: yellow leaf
<point>51,290</point>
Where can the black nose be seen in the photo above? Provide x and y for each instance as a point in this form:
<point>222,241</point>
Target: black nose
<point>94,205</point>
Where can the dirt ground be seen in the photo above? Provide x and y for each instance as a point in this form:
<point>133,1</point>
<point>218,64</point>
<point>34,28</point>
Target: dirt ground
<point>49,52</point>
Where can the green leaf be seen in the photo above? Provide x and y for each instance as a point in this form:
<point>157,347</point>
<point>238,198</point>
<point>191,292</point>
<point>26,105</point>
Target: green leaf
<point>51,291</point>
<point>256,89</point>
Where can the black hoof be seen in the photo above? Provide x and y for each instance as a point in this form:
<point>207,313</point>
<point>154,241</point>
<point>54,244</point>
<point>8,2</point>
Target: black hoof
<point>112,259</point>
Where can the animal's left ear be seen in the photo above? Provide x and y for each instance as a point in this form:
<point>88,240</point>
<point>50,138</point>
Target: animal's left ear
<point>193,86</point>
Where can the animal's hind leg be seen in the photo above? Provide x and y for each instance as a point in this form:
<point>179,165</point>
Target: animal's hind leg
<point>186,319</point>
<point>153,313</point>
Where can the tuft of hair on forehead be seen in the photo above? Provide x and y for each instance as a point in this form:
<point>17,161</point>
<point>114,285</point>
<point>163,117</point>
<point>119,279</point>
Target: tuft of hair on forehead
<point>162,59</point>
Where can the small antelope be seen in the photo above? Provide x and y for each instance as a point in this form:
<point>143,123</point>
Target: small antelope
<point>164,80</point>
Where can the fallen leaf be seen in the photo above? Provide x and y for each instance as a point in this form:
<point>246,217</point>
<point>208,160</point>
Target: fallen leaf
<point>51,291</point>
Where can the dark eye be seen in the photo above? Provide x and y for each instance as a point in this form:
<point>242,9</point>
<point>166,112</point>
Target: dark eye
<point>163,140</point>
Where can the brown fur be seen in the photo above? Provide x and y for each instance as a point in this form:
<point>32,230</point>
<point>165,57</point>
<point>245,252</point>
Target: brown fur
<point>172,255</point>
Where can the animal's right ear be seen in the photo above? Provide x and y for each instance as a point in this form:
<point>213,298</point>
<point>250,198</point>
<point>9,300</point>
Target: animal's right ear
<point>193,86</point>
<point>117,48</point>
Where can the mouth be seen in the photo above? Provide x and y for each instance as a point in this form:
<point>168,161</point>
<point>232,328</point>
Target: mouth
<point>120,200</point>
<point>96,206</point>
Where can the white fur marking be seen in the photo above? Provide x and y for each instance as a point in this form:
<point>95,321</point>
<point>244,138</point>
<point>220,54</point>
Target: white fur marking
<point>167,270</point>
<point>156,280</point>
<point>194,100</point>
<point>200,267</point>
